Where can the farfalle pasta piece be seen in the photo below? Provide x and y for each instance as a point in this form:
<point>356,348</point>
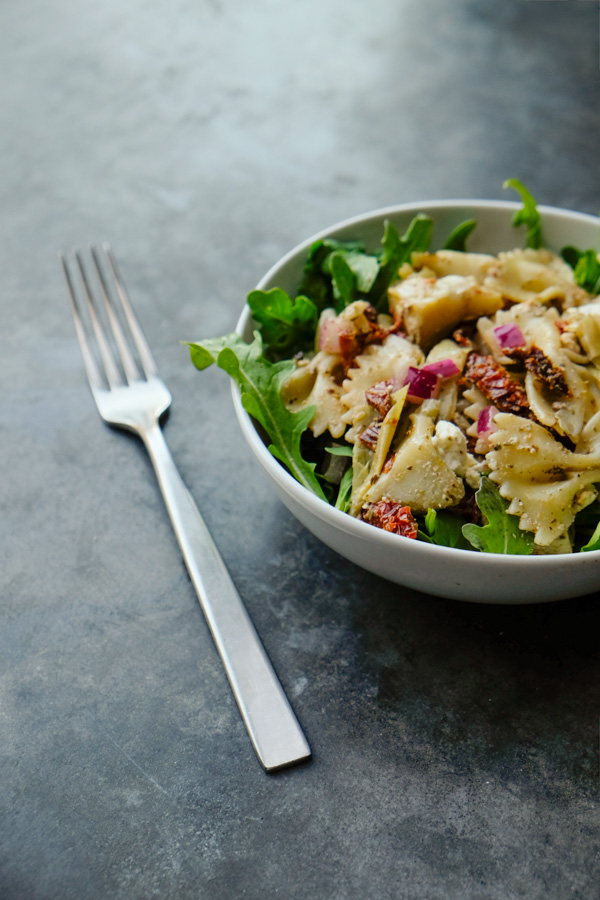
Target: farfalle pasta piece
<point>537,275</point>
<point>316,382</point>
<point>564,410</point>
<point>528,448</point>
<point>388,361</point>
<point>590,375</point>
<point>549,510</point>
<point>546,484</point>
<point>419,476</point>
<point>562,544</point>
<point>473,403</point>
<point>454,262</point>
<point>589,440</point>
<point>584,323</point>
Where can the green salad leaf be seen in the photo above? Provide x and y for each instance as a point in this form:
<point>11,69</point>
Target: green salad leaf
<point>337,273</point>
<point>456,239</point>
<point>343,280</point>
<point>594,541</point>
<point>285,325</point>
<point>260,384</point>
<point>362,266</point>
<point>586,268</point>
<point>345,491</point>
<point>445,529</point>
<point>398,250</point>
<point>528,215</point>
<point>587,527</point>
<point>317,280</point>
<point>570,255</point>
<point>502,533</point>
<point>340,451</point>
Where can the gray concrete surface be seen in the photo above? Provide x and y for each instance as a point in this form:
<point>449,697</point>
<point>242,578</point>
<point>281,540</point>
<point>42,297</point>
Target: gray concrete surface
<point>455,746</point>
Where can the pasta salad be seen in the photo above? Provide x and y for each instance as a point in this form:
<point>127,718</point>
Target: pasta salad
<point>442,395</point>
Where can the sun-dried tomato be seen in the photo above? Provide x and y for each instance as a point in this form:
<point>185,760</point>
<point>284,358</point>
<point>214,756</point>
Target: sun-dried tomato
<point>465,334</point>
<point>536,361</point>
<point>392,517</point>
<point>494,382</point>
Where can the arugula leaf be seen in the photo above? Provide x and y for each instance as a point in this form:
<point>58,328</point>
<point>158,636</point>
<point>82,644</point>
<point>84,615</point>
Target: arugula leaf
<point>260,384</point>
<point>502,533</point>
<point>340,273</point>
<point>352,274</point>
<point>285,325</point>
<point>364,266</point>
<point>343,281</point>
<point>445,529</point>
<point>337,273</point>
<point>340,451</point>
<point>333,467</point>
<point>587,271</point>
<point>457,238</point>
<point>594,541</point>
<point>345,491</point>
<point>587,527</point>
<point>588,517</point>
<point>398,250</point>
<point>570,255</point>
<point>528,215</point>
<point>586,267</point>
<point>316,278</point>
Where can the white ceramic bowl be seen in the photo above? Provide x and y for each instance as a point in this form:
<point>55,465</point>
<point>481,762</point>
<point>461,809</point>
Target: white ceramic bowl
<point>458,574</point>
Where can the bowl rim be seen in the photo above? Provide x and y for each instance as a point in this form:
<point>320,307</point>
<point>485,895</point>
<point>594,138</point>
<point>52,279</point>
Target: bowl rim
<point>341,520</point>
<point>425,206</point>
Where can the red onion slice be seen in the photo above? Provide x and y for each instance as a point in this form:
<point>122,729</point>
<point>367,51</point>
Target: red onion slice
<point>485,421</point>
<point>422,385</point>
<point>445,368</point>
<point>509,336</point>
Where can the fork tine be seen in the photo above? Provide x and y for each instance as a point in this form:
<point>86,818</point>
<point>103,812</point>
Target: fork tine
<point>147,360</point>
<point>129,366</point>
<point>113,375</point>
<point>91,368</point>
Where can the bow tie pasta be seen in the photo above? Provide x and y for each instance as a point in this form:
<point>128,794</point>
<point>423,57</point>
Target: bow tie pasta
<point>485,366</point>
<point>441,395</point>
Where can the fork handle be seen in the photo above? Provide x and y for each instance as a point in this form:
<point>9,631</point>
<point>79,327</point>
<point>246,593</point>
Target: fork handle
<point>268,716</point>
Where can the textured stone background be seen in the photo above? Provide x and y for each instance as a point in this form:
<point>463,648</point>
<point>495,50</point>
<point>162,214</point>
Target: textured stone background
<point>455,746</point>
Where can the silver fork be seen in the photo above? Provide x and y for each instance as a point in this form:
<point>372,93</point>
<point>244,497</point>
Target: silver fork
<point>136,402</point>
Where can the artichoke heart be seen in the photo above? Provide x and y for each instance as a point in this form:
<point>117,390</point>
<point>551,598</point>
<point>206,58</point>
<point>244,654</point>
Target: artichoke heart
<point>429,308</point>
<point>419,476</point>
